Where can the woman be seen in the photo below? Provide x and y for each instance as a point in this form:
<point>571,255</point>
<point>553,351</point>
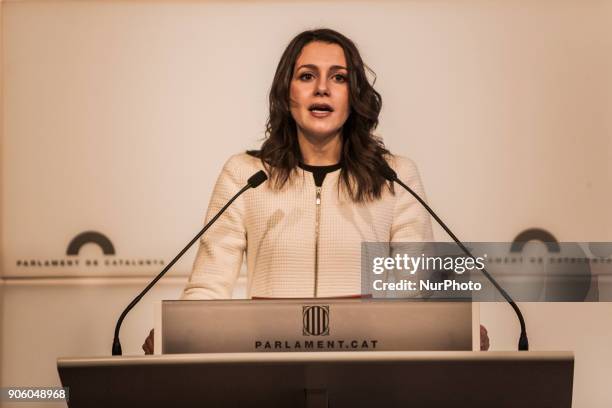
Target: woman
<point>302,230</point>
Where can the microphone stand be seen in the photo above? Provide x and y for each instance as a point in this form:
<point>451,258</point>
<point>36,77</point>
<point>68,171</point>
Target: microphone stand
<point>254,181</point>
<point>523,344</point>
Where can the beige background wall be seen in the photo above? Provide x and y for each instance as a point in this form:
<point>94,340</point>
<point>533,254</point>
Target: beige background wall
<point>117,117</point>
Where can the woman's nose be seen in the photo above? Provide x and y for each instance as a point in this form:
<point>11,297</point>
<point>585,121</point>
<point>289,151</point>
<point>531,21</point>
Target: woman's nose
<point>321,87</point>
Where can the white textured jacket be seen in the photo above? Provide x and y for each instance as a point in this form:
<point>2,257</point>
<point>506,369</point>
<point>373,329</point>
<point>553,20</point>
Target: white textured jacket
<point>286,254</point>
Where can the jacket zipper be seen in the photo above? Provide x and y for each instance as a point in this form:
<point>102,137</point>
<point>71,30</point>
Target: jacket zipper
<point>317,224</point>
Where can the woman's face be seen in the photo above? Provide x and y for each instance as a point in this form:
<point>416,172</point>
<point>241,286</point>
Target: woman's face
<point>319,93</point>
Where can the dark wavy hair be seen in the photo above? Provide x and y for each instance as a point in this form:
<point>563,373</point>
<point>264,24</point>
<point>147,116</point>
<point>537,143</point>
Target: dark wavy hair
<point>363,153</point>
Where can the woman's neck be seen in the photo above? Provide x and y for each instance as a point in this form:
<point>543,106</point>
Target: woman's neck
<point>317,151</point>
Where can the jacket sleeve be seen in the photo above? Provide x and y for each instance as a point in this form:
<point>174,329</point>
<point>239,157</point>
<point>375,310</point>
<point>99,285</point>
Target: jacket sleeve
<point>411,222</point>
<point>411,227</point>
<point>219,257</point>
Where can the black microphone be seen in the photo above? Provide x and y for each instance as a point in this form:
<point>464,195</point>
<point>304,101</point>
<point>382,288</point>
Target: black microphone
<point>389,174</point>
<point>254,181</point>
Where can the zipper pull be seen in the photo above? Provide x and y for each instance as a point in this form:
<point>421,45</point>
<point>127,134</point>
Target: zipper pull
<point>318,195</point>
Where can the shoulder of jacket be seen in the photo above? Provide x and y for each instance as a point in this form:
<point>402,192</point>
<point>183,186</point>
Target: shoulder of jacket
<point>243,163</point>
<point>405,167</point>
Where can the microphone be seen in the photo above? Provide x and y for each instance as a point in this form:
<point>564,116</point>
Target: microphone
<point>254,181</point>
<point>389,174</point>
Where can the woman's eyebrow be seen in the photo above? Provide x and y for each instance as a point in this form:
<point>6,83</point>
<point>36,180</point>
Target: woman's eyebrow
<point>316,68</point>
<point>309,66</point>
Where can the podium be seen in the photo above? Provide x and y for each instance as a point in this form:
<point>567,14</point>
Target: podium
<point>322,379</point>
<point>352,353</point>
<point>332,324</point>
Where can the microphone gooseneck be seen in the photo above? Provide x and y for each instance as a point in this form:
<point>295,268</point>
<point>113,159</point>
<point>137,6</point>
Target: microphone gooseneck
<point>254,181</point>
<point>389,174</point>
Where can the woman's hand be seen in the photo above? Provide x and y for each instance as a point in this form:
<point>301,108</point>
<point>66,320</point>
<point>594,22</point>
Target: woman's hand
<point>148,344</point>
<point>484,338</point>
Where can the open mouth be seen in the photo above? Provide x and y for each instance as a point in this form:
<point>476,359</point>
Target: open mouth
<point>320,108</point>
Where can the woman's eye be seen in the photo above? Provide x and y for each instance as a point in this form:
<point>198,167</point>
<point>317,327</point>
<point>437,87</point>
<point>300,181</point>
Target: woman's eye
<point>339,78</point>
<point>306,76</point>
